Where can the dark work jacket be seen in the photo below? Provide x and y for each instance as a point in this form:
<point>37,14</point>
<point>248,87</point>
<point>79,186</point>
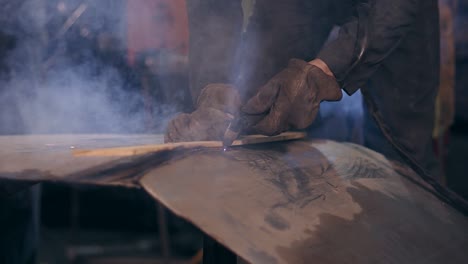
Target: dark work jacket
<point>398,71</point>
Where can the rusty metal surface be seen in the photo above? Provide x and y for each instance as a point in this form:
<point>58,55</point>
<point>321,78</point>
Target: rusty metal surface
<point>294,202</point>
<point>49,158</point>
<point>311,202</point>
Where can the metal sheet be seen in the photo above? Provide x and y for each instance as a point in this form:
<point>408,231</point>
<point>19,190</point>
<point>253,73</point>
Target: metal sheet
<point>49,158</point>
<point>296,202</point>
<point>317,202</point>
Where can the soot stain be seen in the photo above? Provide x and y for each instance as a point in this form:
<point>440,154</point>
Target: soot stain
<point>402,232</point>
<point>276,221</point>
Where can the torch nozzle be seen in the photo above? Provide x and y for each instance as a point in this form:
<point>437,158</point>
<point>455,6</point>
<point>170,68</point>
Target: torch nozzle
<point>232,132</point>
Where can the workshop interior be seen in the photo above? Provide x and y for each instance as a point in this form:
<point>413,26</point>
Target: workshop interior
<point>222,131</point>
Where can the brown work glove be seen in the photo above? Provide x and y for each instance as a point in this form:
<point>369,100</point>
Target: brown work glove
<point>291,99</point>
<point>216,107</point>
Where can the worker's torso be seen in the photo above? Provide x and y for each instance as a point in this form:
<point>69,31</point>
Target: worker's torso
<point>401,93</point>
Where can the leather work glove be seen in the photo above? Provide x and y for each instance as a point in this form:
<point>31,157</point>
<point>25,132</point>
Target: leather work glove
<point>216,107</point>
<point>290,99</point>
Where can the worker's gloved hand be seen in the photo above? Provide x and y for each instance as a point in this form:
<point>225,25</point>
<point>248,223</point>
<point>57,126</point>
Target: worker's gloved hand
<point>216,107</point>
<point>291,98</point>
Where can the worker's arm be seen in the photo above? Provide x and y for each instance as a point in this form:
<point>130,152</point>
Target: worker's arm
<point>291,98</point>
<point>380,27</point>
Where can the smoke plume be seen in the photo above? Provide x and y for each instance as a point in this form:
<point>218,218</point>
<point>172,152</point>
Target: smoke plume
<point>67,71</point>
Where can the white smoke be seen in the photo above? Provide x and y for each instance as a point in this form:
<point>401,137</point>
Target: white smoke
<point>47,92</point>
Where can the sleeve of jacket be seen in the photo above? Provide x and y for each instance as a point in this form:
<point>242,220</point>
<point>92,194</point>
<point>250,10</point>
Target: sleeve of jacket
<point>386,24</point>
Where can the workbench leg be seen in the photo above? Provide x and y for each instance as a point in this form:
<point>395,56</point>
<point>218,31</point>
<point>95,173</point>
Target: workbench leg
<point>215,253</point>
<point>163,232</point>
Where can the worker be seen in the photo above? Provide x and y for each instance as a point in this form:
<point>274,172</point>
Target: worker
<point>279,56</point>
